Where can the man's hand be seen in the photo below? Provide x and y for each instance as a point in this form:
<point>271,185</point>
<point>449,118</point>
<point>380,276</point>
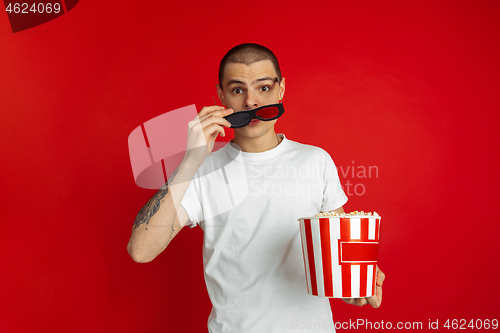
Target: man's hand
<point>374,300</point>
<point>203,130</point>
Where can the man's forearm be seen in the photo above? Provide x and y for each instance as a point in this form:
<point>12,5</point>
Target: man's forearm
<point>157,222</point>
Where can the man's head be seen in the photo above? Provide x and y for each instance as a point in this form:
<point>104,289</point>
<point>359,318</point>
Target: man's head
<point>250,77</point>
<point>247,54</point>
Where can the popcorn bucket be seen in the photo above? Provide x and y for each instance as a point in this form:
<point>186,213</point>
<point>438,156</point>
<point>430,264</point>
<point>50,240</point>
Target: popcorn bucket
<point>340,255</point>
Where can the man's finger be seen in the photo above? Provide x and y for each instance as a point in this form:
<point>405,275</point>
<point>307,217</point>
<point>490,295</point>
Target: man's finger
<point>362,301</point>
<point>356,301</point>
<point>209,109</point>
<point>380,277</point>
<point>221,113</point>
<point>348,300</point>
<point>376,300</point>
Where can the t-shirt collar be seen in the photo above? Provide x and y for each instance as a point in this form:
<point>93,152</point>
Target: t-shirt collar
<point>233,150</point>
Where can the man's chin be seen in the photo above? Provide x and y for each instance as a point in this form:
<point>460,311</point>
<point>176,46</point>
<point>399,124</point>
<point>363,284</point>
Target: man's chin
<point>252,131</point>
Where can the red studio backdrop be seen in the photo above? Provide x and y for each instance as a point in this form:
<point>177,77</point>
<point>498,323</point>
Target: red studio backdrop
<point>402,94</point>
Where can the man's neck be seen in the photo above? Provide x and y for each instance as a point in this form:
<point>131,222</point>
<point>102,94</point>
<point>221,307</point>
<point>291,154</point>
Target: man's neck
<point>259,144</point>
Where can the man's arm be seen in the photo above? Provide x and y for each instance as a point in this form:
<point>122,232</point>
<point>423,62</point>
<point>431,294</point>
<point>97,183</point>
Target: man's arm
<point>162,217</point>
<point>338,210</point>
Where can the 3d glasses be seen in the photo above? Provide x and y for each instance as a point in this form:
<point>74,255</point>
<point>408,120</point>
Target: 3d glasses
<point>264,113</point>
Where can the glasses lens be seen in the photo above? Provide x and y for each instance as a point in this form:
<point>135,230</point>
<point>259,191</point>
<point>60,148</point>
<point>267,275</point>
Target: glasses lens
<point>239,118</point>
<point>268,113</point>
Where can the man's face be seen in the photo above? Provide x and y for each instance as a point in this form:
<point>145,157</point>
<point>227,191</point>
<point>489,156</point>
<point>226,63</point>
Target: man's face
<point>249,87</point>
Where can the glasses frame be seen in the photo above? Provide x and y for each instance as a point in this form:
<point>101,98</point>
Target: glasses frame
<point>253,114</point>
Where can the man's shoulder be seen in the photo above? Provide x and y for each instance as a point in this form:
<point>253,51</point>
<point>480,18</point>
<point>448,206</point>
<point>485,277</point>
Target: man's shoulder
<point>307,148</point>
<point>213,162</point>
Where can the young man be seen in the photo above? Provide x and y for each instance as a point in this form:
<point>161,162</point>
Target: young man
<point>252,252</point>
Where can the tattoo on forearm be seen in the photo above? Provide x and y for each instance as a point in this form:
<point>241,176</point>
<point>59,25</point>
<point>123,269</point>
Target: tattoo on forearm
<point>171,234</point>
<point>153,205</point>
<point>169,180</point>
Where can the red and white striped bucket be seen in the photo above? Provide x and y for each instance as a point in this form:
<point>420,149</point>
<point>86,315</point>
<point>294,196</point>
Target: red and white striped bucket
<point>340,255</point>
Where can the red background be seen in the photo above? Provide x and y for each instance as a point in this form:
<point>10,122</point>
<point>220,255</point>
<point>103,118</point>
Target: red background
<point>408,86</point>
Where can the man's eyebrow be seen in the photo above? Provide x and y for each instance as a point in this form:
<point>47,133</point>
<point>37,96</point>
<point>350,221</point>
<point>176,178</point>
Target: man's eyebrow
<point>266,78</point>
<point>233,81</point>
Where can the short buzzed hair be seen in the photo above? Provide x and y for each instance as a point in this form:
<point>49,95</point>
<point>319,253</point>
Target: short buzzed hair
<point>247,54</point>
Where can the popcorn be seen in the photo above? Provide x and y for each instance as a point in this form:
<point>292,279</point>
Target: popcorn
<point>351,214</point>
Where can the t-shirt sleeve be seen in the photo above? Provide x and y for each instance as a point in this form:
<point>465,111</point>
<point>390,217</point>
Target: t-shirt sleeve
<point>333,195</point>
<point>192,205</point>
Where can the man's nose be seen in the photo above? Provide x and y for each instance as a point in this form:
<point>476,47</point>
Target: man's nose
<point>251,100</point>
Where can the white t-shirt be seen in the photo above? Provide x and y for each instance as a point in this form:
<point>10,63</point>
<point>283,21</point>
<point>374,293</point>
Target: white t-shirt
<point>247,205</point>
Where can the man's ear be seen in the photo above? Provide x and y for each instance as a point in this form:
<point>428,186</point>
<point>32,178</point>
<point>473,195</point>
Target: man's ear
<point>220,94</point>
<point>282,88</point>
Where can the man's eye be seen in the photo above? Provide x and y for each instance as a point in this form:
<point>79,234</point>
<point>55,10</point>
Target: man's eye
<point>265,88</point>
<point>237,90</point>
